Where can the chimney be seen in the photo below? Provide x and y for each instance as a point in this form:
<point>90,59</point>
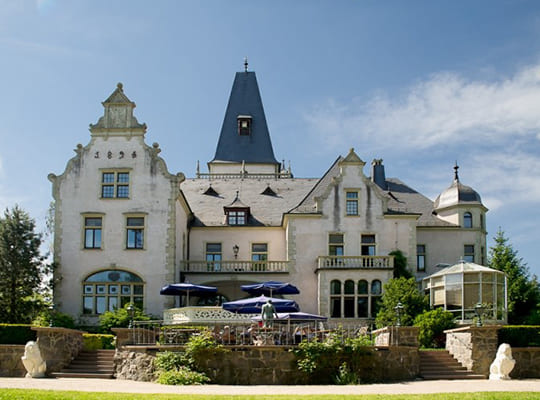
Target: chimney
<point>377,173</point>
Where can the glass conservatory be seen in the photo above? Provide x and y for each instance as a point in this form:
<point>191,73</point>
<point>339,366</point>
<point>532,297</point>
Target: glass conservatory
<point>469,290</point>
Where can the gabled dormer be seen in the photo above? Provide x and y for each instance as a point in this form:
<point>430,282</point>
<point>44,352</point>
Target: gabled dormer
<point>236,213</point>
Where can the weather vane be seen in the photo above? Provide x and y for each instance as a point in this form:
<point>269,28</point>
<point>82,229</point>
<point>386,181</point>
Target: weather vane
<point>245,64</point>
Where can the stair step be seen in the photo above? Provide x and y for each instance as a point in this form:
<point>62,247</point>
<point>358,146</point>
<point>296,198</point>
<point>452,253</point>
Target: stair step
<point>90,364</point>
<point>441,365</point>
<point>95,375</point>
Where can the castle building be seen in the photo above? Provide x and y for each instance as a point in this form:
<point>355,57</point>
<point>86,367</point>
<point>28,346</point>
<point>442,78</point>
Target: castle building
<point>125,226</point>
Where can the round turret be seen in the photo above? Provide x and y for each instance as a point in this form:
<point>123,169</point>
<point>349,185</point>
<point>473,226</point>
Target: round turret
<point>457,194</point>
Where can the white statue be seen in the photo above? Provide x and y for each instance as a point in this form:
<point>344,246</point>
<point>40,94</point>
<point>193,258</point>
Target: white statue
<point>32,361</point>
<point>503,364</point>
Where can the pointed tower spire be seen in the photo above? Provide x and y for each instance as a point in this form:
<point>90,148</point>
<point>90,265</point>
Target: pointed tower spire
<point>244,134</point>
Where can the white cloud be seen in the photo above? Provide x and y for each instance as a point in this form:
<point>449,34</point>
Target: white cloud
<point>444,109</point>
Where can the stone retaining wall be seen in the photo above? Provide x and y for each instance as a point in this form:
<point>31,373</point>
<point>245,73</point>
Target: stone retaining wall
<point>527,362</point>
<point>10,360</point>
<point>396,336</point>
<point>474,347</point>
<point>270,365</point>
<point>58,346</point>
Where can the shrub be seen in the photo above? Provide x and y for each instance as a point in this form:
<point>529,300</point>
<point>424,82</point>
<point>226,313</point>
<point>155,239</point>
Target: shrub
<point>16,333</point>
<point>432,325</point>
<point>59,319</point>
<point>199,347</point>
<point>92,341</point>
<point>168,360</point>
<point>182,376</point>
<point>520,336</point>
<point>120,318</point>
<point>333,360</point>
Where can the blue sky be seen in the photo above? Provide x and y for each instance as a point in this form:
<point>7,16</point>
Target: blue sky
<point>417,83</point>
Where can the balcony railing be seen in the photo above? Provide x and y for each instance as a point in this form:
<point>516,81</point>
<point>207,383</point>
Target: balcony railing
<point>363,262</point>
<point>234,266</point>
<point>204,315</point>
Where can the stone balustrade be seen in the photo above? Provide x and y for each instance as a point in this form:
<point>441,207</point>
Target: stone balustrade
<point>234,266</point>
<point>204,315</point>
<point>355,262</point>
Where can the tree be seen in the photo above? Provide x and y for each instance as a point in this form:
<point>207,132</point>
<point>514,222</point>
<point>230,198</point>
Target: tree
<point>523,290</point>
<point>404,291</point>
<point>22,267</point>
<point>432,325</point>
<point>400,265</point>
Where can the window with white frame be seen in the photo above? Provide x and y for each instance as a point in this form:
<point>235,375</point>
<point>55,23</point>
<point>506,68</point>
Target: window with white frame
<point>237,217</point>
<point>421,257</point>
<point>213,256</point>
<point>135,232</point>
<point>468,253</point>
<point>92,232</point>
<point>467,220</point>
<point>368,245</point>
<point>115,185</point>
<point>110,290</point>
<point>335,244</point>
<point>259,253</point>
<point>351,206</point>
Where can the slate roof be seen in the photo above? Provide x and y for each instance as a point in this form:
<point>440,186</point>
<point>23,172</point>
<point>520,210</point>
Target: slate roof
<point>402,199</point>
<point>265,210</point>
<point>245,100</point>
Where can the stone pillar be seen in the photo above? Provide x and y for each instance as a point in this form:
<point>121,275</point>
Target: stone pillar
<point>396,336</point>
<point>58,346</point>
<point>474,347</point>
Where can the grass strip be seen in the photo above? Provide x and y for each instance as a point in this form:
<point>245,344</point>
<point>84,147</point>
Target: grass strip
<point>27,394</point>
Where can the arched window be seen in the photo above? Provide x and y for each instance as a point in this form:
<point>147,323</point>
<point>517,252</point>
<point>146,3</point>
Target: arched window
<point>362,300</point>
<point>376,291</point>
<point>112,289</point>
<point>335,299</point>
<point>348,309</point>
<point>352,299</point>
<point>467,220</point>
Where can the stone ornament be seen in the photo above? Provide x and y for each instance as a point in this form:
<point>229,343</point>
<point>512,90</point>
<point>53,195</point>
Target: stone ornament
<point>503,364</point>
<point>32,361</point>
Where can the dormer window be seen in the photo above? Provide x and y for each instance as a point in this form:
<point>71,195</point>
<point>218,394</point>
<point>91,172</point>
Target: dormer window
<point>236,217</point>
<point>237,212</point>
<point>244,125</point>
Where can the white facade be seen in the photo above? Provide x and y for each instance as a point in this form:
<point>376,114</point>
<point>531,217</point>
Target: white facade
<point>125,226</point>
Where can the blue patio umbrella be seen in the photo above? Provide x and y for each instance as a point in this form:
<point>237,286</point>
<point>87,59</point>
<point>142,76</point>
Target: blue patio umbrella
<point>180,289</point>
<point>254,305</point>
<point>270,287</point>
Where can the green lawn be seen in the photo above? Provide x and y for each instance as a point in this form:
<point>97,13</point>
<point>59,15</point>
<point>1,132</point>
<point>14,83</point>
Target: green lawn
<point>22,394</point>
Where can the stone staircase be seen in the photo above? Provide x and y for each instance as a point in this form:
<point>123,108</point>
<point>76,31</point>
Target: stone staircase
<point>441,365</point>
<point>90,364</point>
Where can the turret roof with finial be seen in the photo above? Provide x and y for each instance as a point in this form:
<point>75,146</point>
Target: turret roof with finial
<point>245,102</point>
<point>456,194</point>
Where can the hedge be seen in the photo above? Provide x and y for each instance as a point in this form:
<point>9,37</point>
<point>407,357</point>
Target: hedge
<point>16,333</point>
<point>93,341</point>
<point>520,335</point>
